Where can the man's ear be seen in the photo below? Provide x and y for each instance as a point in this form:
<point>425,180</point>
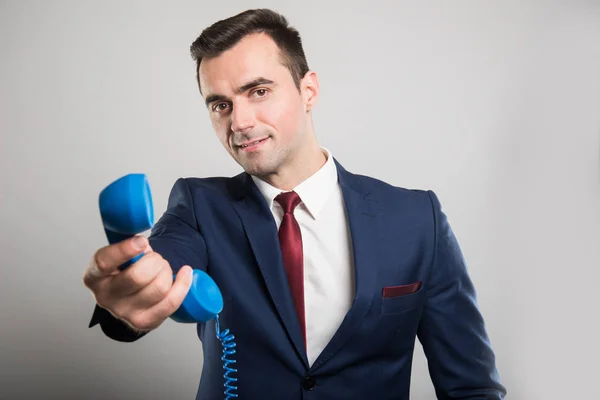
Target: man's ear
<point>310,90</point>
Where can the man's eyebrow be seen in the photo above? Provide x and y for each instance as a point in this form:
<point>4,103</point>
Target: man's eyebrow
<point>252,84</point>
<point>214,97</point>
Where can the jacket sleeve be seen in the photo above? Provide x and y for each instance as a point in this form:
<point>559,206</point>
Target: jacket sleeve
<point>452,330</point>
<point>176,237</point>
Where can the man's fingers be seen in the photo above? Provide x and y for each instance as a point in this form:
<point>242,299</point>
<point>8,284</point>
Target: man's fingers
<point>155,315</point>
<point>108,259</point>
<point>139,275</point>
<point>154,292</point>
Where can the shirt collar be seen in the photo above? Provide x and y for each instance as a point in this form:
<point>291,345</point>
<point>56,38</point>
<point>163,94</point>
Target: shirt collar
<point>313,192</point>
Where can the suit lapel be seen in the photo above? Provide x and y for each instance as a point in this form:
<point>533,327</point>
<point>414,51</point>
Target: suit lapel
<point>365,223</point>
<point>261,231</point>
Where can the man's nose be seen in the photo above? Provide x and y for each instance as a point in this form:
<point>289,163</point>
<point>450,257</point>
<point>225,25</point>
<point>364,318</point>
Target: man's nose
<point>242,119</point>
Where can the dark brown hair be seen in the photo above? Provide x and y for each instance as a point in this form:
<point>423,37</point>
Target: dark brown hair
<point>225,34</point>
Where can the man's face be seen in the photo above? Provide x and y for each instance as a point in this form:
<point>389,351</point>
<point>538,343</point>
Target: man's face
<point>254,106</point>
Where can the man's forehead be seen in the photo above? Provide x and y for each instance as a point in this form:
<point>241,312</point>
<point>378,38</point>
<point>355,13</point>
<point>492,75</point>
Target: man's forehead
<point>235,84</point>
<point>236,80</point>
<point>254,56</point>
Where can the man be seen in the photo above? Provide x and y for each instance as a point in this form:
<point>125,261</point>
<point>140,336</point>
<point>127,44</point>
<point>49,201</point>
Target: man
<point>327,277</point>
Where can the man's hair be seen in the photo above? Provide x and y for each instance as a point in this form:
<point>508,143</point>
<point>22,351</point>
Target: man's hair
<point>225,34</point>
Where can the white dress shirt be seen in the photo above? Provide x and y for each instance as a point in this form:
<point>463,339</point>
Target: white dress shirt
<point>327,247</point>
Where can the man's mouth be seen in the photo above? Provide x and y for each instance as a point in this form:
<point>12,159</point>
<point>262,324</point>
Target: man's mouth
<point>248,145</point>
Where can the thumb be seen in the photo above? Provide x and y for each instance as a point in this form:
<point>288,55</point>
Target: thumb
<point>167,306</point>
<point>181,285</point>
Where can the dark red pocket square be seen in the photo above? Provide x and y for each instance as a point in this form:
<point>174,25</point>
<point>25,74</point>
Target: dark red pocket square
<point>395,291</point>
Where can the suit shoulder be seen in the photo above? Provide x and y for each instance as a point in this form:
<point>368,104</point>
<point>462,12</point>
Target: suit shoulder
<point>391,197</point>
<point>203,188</point>
<point>382,188</point>
<point>214,183</point>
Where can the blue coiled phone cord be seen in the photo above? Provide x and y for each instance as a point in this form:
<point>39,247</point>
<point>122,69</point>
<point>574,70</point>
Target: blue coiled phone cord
<point>228,349</point>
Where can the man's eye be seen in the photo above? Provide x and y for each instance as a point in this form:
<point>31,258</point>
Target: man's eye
<point>260,92</point>
<point>220,107</point>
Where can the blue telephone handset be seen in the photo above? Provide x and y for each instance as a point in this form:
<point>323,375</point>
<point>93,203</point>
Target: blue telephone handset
<point>126,209</point>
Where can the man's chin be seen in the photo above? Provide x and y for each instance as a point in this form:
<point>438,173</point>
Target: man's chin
<point>258,172</point>
<point>259,165</point>
<point>254,168</point>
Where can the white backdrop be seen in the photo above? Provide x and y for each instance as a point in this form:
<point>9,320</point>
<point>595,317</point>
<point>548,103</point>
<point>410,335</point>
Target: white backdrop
<point>493,105</point>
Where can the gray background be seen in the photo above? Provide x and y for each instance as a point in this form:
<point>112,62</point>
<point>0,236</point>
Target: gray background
<point>493,105</point>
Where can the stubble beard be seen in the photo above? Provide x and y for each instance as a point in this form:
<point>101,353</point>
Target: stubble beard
<point>263,165</point>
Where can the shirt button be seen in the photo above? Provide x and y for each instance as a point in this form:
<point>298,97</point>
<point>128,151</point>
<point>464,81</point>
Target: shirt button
<point>309,383</point>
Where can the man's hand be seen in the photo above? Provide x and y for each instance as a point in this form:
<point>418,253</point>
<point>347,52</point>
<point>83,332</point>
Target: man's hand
<point>144,294</point>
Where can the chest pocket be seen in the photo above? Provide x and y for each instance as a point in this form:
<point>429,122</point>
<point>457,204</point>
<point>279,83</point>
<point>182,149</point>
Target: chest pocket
<point>403,303</point>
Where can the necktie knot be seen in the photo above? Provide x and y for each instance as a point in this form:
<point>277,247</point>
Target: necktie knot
<point>288,201</point>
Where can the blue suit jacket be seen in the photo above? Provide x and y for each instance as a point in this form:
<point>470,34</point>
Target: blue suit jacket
<point>399,237</point>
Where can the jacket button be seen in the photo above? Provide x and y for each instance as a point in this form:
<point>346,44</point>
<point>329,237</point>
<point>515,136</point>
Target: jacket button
<point>309,383</point>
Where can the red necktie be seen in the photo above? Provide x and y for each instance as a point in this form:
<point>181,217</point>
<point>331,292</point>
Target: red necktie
<point>290,240</point>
